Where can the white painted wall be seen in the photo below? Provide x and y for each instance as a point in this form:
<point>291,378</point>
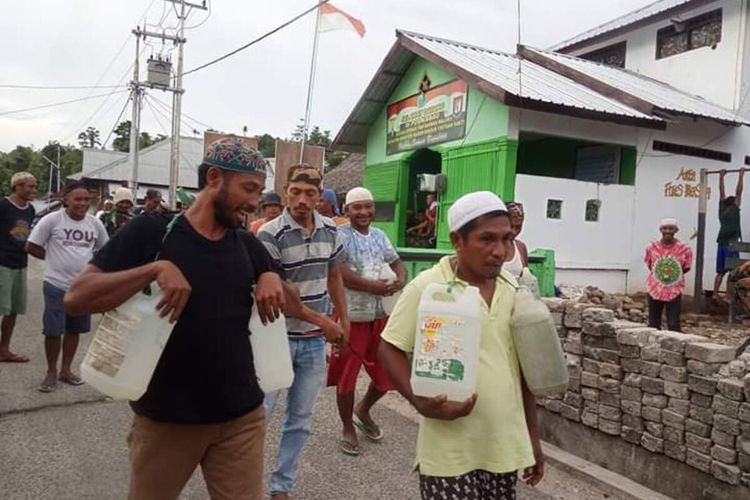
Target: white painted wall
<point>715,74</point>
<point>630,214</point>
<point>578,244</point>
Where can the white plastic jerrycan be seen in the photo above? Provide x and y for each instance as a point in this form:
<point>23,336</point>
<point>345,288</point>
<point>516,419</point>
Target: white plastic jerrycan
<point>388,302</point>
<point>271,356</point>
<point>446,349</point>
<point>127,346</point>
<point>538,346</point>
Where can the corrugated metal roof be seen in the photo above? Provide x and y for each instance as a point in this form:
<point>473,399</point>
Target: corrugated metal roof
<point>663,96</point>
<point>497,73</point>
<point>641,14</point>
<point>532,82</point>
<point>97,158</point>
<point>153,164</point>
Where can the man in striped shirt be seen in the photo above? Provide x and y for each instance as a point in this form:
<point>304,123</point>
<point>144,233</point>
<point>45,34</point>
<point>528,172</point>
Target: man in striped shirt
<point>308,248</point>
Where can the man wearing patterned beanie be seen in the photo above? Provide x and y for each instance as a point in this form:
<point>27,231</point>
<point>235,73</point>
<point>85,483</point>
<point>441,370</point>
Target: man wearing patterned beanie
<point>203,405</point>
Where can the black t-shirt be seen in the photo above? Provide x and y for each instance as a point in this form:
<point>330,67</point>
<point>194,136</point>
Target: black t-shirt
<point>206,372</point>
<point>15,226</point>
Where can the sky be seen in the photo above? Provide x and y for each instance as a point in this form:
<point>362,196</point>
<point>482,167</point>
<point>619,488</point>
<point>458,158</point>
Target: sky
<point>89,42</point>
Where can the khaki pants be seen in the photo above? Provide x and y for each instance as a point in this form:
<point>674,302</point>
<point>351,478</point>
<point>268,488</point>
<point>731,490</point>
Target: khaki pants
<point>163,456</point>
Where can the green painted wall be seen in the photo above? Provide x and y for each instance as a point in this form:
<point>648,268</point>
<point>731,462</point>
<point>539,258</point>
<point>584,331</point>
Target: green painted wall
<point>483,160</point>
<point>487,118</point>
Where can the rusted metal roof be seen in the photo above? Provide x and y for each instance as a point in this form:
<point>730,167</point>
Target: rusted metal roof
<point>661,7</point>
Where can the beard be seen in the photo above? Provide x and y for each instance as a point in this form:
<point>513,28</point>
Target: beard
<point>223,214</point>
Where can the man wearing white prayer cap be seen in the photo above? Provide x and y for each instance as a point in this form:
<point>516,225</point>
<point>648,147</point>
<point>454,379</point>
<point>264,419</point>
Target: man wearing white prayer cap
<point>369,257</point>
<point>452,450</point>
<point>667,259</point>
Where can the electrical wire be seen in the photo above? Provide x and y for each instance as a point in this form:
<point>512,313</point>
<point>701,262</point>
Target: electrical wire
<point>117,121</point>
<point>58,87</point>
<point>51,105</point>
<point>202,22</point>
<point>154,112</point>
<point>259,39</point>
<point>185,115</point>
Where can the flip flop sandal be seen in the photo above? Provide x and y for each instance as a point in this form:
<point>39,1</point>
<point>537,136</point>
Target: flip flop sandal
<point>372,431</point>
<point>348,448</point>
<point>47,386</point>
<point>72,380</point>
<point>15,358</point>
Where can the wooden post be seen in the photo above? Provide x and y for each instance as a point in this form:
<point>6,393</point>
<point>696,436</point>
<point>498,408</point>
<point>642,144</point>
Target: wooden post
<point>701,245</point>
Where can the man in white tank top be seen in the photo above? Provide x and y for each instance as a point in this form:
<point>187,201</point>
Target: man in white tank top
<point>516,264</point>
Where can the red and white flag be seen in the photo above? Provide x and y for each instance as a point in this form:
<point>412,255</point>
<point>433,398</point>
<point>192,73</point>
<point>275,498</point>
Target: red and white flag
<point>332,18</point>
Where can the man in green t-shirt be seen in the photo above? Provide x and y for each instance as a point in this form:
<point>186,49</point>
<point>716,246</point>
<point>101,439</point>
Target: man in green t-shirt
<point>729,229</point>
<point>473,449</point>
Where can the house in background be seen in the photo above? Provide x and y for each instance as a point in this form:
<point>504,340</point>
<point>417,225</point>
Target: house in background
<point>598,144</point>
<point>104,171</point>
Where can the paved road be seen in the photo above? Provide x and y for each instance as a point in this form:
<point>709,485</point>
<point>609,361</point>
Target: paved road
<point>71,444</point>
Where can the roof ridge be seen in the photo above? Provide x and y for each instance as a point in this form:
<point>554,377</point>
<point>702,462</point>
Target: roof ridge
<point>638,75</point>
<point>119,161</point>
<point>415,34</point>
<point>584,35</point>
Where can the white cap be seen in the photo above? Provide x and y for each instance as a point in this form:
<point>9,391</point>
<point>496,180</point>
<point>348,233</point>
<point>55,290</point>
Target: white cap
<point>20,177</point>
<point>669,222</point>
<point>473,205</point>
<point>123,194</point>
<point>358,194</point>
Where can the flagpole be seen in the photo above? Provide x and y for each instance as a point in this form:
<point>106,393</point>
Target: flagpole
<point>311,83</point>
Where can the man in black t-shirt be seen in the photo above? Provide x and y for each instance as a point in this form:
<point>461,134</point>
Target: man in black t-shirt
<point>16,216</point>
<point>205,378</point>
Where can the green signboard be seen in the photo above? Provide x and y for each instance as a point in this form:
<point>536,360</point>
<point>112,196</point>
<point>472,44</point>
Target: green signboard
<point>432,116</point>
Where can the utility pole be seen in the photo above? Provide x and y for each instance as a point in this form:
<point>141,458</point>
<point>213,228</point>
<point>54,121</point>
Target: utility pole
<point>174,160</point>
<point>135,121</point>
<point>59,169</point>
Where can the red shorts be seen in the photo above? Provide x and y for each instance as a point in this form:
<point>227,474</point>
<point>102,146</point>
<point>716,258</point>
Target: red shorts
<point>344,366</point>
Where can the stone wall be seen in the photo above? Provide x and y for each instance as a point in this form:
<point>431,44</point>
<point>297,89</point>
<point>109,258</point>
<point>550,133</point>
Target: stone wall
<point>671,393</point>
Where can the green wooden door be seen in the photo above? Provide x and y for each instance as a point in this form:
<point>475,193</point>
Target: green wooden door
<point>487,166</point>
<point>388,184</point>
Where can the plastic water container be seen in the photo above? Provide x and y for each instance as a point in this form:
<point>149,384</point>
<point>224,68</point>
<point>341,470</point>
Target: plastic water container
<point>388,302</point>
<point>529,281</point>
<point>271,355</point>
<point>446,349</point>
<point>126,348</point>
<point>538,346</point>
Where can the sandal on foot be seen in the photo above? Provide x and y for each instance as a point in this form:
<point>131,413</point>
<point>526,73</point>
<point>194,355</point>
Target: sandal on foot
<point>348,448</point>
<point>14,358</point>
<point>48,386</point>
<point>371,430</point>
<point>74,380</point>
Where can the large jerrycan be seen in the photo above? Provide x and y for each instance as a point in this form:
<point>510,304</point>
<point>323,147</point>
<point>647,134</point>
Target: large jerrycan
<point>538,346</point>
<point>271,356</point>
<point>126,348</point>
<point>446,349</point>
<point>388,302</point>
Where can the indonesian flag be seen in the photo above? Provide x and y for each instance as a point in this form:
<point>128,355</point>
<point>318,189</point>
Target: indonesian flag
<point>333,18</point>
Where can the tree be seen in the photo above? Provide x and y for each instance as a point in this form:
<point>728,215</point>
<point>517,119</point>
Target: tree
<point>318,138</point>
<point>122,138</point>
<point>89,138</point>
<point>267,145</point>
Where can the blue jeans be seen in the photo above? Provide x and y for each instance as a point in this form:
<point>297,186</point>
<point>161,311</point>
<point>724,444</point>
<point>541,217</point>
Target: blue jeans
<point>309,363</point>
